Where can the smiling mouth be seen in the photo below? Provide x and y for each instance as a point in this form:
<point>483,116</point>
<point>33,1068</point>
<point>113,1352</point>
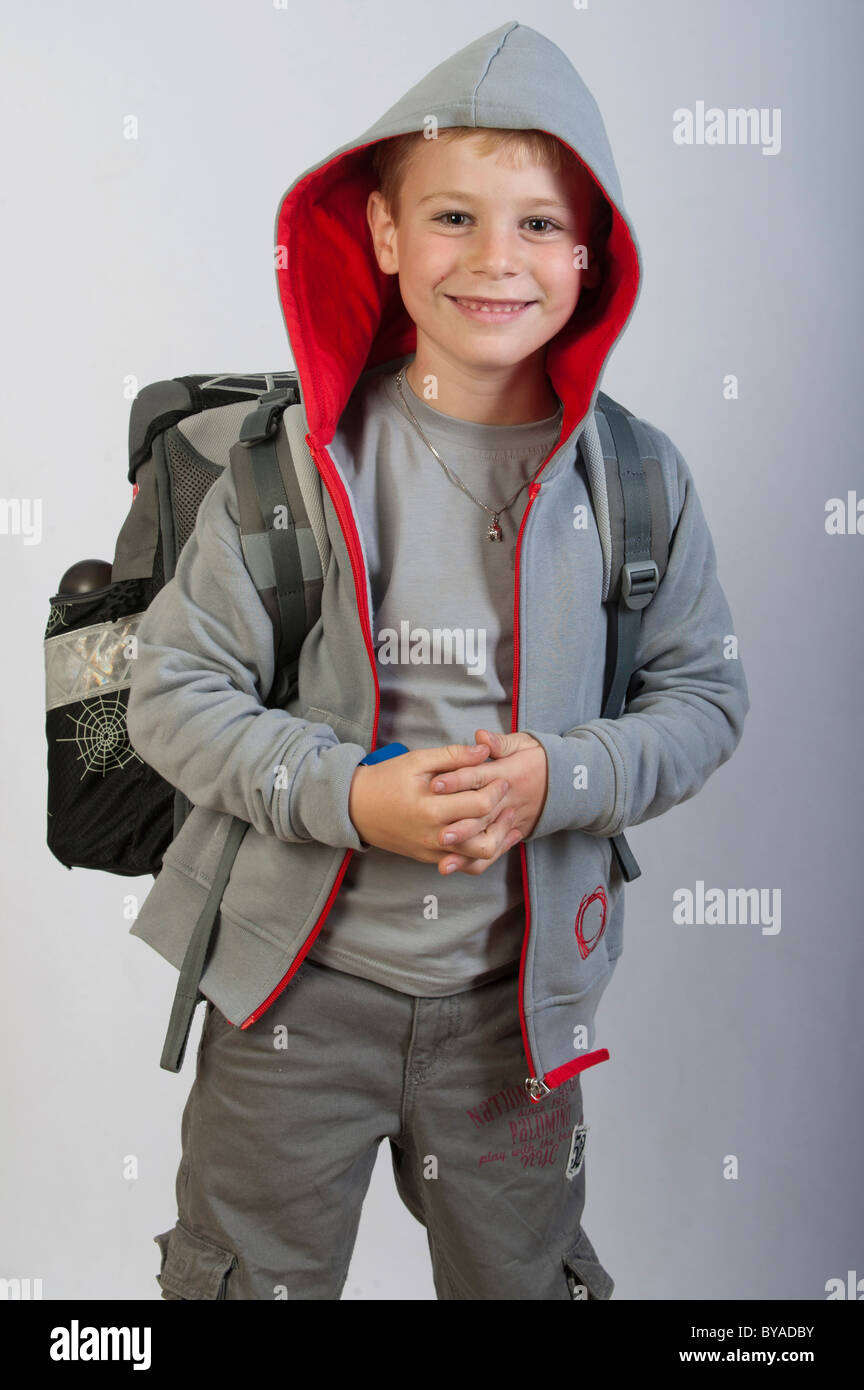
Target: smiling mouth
<point>491,306</point>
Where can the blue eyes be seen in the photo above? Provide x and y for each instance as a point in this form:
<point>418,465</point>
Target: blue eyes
<point>553,226</point>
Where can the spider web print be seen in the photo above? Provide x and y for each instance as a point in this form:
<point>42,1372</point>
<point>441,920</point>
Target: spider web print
<point>56,617</point>
<point>101,735</point>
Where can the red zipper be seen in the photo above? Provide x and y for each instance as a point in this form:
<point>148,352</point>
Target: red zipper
<point>334,487</point>
<point>531,1081</point>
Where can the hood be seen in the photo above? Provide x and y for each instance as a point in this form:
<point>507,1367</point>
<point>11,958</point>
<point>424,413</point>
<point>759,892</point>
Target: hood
<point>344,316</point>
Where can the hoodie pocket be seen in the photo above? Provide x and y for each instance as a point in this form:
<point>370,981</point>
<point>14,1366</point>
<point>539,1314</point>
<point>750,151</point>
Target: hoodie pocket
<point>586,1277</point>
<point>575,899</point>
<point>192,1267</point>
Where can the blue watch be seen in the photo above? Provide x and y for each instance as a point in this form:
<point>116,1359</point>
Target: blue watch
<point>388,750</point>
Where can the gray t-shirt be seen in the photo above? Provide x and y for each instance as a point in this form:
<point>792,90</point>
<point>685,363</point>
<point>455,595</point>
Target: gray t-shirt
<point>443,597</point>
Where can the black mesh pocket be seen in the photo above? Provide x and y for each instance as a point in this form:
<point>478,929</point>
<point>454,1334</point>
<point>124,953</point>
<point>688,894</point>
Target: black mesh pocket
<point>107,809</point>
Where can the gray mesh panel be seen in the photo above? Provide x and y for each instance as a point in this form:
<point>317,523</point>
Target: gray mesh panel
<point>212,432</point>
<point>191,480</point>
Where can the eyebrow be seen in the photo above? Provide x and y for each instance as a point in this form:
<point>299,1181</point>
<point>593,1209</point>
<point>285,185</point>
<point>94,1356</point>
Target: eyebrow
<point>526,202</point>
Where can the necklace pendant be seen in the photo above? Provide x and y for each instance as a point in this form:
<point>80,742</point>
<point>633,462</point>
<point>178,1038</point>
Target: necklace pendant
<point>495,533</point>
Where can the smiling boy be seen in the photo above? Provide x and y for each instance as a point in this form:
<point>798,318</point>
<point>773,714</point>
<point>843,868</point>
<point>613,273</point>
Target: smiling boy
<point>488,276</point>
<point>357,989</point>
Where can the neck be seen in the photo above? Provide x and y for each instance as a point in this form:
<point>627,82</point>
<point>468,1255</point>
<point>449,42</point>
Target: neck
<point>513,395</point>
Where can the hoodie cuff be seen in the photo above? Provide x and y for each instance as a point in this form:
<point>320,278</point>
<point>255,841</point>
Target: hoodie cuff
<point>581,794</point>
<point>319,794</point>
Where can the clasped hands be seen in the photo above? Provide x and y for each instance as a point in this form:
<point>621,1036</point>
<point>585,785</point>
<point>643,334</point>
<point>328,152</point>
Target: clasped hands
<point>487,797</point>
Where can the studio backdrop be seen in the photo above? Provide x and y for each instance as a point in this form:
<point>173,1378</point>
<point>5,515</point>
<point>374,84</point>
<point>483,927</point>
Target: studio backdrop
<point>145,153</point>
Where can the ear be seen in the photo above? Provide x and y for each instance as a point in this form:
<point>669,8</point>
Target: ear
<point>383,229</point>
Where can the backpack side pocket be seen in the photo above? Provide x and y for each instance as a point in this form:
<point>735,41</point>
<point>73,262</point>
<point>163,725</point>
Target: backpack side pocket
<point>107,809</point>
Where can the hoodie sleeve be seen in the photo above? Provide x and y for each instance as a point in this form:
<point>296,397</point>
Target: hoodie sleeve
<point>195,713</point>
<point>688,715</point>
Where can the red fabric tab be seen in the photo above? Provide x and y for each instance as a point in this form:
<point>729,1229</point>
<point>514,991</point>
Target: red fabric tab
<point>562,1074</point>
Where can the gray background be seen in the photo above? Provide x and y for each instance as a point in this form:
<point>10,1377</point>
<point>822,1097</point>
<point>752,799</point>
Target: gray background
<point>153,258</point>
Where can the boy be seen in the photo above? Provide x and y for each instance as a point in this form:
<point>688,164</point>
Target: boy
<point>453,283</point>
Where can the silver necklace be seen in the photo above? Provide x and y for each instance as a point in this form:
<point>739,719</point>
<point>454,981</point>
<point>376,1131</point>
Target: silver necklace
<point>494,532</point>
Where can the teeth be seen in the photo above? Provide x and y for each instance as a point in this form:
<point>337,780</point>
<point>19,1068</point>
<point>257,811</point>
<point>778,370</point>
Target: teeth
<point>491,308</point>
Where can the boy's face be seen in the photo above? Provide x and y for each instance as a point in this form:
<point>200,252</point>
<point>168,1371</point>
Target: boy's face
<point>473,228</point>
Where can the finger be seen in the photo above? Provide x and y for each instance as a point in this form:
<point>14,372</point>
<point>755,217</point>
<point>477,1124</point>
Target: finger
<point>495,742</point>
<point>449,757</point>
<point>478,866</point>
<point>471,829</point>
<point>487,804</point>
<point>466,779</point>
<point>486,842</point>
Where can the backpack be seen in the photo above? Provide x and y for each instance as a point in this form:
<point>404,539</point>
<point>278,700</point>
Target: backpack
<point>107,809</point>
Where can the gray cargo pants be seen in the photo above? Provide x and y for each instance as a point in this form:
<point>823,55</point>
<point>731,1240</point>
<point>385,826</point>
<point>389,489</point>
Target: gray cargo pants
<point>281,1129</point>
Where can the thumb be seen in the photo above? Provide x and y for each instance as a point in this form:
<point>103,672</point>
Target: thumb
<point>500,745</point>
<point>458,754</point>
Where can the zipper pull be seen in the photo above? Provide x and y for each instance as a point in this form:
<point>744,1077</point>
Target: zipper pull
<point>534,489</point>
<point>536,1088</point>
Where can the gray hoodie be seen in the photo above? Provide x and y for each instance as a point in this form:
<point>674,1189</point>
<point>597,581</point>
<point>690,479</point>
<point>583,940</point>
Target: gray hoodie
<point>205,656</point>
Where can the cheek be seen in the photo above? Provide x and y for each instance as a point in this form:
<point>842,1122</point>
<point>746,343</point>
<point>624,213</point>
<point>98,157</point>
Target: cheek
<point>567,280</point>
<point>429,263</point>
<point>423,291</point>
<point>563,288</point>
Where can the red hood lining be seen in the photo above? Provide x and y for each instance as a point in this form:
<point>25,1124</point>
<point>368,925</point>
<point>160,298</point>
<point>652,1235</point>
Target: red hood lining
<point>344,315</point>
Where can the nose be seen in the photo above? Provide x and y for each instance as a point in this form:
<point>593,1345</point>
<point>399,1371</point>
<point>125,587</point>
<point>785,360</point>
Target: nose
<point>495,251</point>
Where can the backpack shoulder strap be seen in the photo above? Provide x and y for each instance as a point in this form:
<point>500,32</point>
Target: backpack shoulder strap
<point>639,526</point>
<point>279,546</point>
<point>640,547</point>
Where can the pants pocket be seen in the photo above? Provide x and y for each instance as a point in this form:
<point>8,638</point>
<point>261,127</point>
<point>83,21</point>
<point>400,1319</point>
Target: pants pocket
<point>586,1277</point>
<point>192,1267</point>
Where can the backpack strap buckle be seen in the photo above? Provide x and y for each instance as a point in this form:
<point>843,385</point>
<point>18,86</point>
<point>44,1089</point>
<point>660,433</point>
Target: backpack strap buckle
<point>639,581</point>
<point>263,422</point>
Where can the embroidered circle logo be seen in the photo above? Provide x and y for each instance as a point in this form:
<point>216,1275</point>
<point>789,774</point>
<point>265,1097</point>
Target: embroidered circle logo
<point>586,947</point>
